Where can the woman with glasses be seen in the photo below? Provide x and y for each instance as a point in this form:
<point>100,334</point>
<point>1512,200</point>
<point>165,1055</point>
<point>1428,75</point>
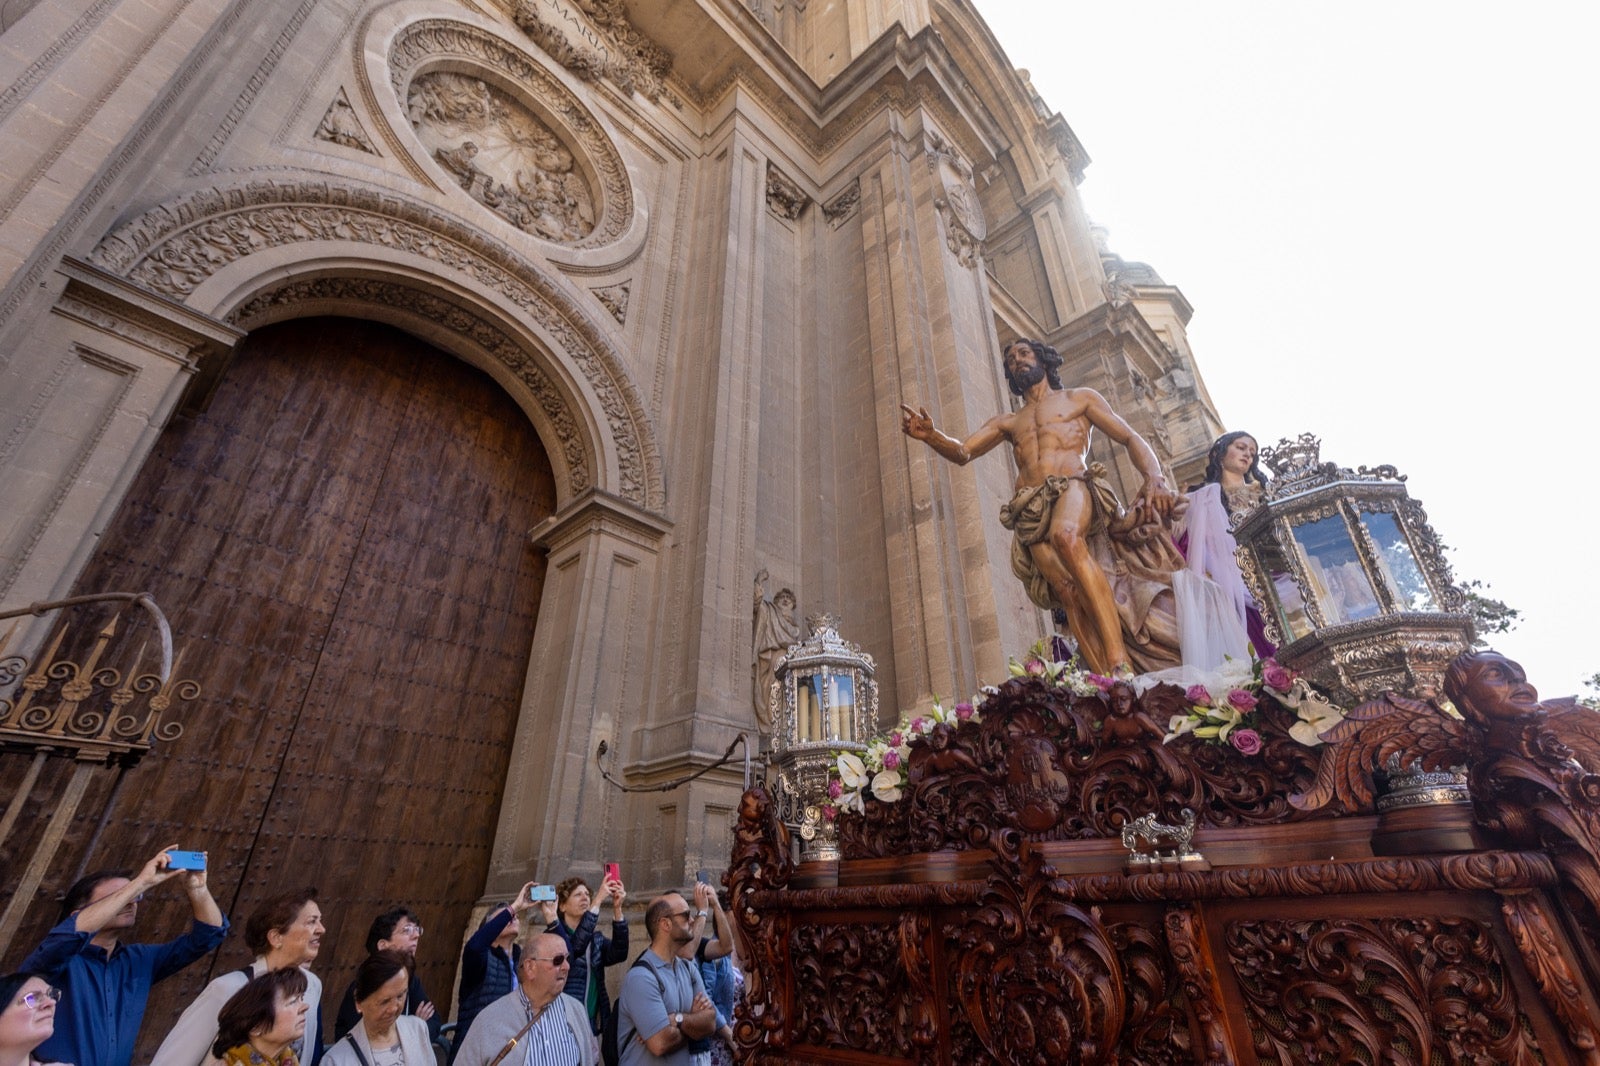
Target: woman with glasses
<point>27,1016</point>
<point>263,1021</point>
<point>285,933</point>
<point>385,1035</point>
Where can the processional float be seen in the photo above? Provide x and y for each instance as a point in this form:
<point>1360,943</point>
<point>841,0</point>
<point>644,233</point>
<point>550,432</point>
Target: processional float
<point>1384,848</point>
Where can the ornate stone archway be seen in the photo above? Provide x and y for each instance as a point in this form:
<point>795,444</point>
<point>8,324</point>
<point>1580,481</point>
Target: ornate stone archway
<point>232,251</point>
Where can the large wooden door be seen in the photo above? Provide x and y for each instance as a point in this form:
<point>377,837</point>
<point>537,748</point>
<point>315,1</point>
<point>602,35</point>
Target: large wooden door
<point>341,542</point>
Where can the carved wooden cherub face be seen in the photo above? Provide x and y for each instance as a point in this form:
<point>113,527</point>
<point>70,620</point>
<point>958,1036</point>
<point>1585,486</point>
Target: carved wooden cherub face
<point>1488,687</point>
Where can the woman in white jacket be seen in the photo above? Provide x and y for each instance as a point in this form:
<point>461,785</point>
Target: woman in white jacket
<point>385,1035</point>
<point>284,931</point>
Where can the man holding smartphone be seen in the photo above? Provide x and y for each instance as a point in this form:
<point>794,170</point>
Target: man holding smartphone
<point>105,983</point>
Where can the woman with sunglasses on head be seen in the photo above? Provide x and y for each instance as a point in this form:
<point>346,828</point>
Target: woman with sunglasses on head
<point>261,1023</point>
<point>385,1035</point>
<point>27,1016</point>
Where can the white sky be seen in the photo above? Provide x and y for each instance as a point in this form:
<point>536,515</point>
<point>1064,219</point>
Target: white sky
<point>1385,217</point>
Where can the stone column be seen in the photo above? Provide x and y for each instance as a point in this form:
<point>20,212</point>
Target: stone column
<point>591,662</point>
<point>933,344</point>
<point>81,403</point>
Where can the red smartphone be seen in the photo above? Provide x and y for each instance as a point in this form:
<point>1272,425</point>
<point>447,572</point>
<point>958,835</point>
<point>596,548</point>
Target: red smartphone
<point>613,872</point>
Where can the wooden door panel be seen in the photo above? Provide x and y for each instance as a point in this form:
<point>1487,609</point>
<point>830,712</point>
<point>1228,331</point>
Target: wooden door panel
<point>340,540</point>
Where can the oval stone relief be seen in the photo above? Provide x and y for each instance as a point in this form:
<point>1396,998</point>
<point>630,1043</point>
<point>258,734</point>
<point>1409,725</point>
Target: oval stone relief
<point>502,155</point>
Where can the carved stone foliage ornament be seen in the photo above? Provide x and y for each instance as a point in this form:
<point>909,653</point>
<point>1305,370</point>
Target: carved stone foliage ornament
<point>175,247</point>
<point>964,225</point>
<point>843,207</point>
<point>594,39</point>
<point>342,126</point>
<point>614,298</point>
<point>535,156</point>
<point>784,198</point>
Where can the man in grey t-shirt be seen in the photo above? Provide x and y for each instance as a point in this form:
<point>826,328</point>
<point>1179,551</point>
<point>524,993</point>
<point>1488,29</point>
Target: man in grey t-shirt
<point>663,1004</point>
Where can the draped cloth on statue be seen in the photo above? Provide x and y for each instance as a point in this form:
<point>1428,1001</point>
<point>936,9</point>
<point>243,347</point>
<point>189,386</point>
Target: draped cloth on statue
<point>1213,615</point>
<point>1139,570</point>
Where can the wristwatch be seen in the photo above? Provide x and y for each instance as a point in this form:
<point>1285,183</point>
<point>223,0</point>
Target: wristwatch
<point>677,1019</point>
<point>702,913</point>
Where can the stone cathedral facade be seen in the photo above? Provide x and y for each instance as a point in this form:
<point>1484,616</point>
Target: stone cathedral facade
<point>448,370</point>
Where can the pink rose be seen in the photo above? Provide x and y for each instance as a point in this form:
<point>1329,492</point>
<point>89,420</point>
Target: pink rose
<point>1276,677</point>
<point>835,789</point>
<point>1102,683</point>
<point>1035,667</point>
<point>1198,695</point>
<point>1248,741</point>
<point>895,739</point>
<point>829,811</point>
<point>919,725</point>
<point>891,760</point>
<point>1241,699</point>
<point>964,711</point>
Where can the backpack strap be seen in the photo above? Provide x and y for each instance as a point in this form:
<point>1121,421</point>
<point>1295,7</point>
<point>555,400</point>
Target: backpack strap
<point>621,1043</point>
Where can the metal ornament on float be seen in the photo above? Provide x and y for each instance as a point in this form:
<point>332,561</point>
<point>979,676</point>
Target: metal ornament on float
<point>1352,580</point>
<point>824,700</point>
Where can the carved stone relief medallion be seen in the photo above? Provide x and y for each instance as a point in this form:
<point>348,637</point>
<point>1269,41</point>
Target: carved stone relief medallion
<point>964,225</point>
<point>510,134</point>
<point>502,155</point>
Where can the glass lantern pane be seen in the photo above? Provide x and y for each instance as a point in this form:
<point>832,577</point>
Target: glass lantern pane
<point>808,692</point>
<point>1337,578</point>
<point>841,707</point>
<point>1290,606</point>
<point>1398,564</point>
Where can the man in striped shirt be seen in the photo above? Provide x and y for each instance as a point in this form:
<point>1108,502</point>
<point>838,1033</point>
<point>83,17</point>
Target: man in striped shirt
<point>535,1024</point>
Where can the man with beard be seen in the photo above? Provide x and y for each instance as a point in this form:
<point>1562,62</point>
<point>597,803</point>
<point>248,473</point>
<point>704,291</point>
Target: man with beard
<point>663,1005</point>
<point>1069,528</point>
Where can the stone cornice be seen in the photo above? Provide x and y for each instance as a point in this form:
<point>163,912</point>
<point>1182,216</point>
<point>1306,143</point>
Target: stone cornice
<point>599,511</point>
<point>103,300</point>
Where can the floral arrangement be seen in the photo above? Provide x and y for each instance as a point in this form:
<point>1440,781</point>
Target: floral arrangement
<point>1223,707</point>
<point>881,771</point>
<point>1223,711</point>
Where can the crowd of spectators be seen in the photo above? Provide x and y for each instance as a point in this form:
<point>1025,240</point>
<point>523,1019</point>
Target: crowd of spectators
<point>532,992</point>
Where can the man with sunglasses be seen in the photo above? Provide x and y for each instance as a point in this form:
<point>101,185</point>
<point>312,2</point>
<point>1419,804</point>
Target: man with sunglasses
<point>536,1024</point>
<point>663,1005</point>
<point>105,983</point>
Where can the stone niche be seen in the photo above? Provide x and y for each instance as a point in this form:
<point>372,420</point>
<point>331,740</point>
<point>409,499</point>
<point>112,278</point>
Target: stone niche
<point>502,154</point>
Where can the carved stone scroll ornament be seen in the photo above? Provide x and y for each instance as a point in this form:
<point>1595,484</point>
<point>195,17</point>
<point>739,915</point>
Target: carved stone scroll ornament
<point>957,202</point>
<point>176,246</point>
<point>844,206</point>
<point>1040,981</point>
<point>563,149</point>
<point>502,155</point>
<point>635,63</point>
<point>342,126</point>
<point>1378,990</point>
<point>784,198</point>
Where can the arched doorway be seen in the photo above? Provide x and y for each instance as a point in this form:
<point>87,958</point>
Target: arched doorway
<point>340,539</point>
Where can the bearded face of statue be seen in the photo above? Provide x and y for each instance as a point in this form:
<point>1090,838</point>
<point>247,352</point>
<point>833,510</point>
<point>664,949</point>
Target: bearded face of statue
<point>1023,368</point>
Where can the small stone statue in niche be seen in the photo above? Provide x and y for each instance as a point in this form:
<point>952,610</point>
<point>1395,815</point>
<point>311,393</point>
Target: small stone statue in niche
<point>776,627</point>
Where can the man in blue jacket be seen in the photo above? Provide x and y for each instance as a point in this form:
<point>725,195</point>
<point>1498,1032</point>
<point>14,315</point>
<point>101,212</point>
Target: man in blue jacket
<point>489,963</point>
<point>104,982</point>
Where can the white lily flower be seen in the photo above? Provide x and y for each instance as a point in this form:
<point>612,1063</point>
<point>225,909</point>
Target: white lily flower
<point>886,786</point>
<point>852,771</point>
